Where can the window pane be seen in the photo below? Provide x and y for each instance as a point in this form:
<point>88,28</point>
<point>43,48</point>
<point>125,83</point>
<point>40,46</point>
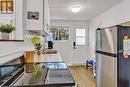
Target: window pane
<point>60,33</point>
<point>3,4</point>
<point>6,6</point>
<point>80,40</point>
<point>55,33</point>
<point>80,32</point>
<point>63,33</point>
<point>10,7</point>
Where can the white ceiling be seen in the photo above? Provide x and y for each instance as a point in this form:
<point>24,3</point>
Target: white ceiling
<point>61,9</point>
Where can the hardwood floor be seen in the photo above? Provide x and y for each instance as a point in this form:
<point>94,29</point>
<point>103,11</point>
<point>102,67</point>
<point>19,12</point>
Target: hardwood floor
<point>82,76</point>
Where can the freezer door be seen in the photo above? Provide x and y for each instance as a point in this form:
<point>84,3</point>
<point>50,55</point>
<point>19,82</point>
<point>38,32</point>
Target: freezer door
<point>109,40</point>
<point>106,71</point>
<point>98,40</point>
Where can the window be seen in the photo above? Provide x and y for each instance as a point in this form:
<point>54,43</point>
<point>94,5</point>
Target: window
<point>6,6</point>
<point>60,33</point>
<point>80,37</point>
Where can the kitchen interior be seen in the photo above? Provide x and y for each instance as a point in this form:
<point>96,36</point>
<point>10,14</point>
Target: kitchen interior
<point>64,43</point>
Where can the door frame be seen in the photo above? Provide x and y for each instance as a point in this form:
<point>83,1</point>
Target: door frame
<point>80,46</point>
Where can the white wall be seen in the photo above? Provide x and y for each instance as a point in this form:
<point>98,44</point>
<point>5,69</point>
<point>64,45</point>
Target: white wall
<point>66,47</point>
<point>120,13</point>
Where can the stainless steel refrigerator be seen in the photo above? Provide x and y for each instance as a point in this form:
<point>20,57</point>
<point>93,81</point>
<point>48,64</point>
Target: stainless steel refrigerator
<point>113,57</point>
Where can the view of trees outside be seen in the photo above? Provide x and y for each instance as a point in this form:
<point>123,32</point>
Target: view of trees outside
<point>60,33</point>
<point>6,6</point>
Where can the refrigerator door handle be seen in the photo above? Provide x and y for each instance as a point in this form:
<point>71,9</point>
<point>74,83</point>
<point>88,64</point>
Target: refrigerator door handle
<point>74,45</point>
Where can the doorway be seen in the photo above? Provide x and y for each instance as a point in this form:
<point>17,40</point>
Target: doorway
<point>80,44</point>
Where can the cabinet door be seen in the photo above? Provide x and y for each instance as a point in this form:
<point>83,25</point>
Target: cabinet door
<point>20,20</point>
<point>35,14</point>
<point>46,15</point>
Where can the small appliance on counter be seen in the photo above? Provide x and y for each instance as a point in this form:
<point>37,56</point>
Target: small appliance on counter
<point>50,41</point>
<point>50,45</point>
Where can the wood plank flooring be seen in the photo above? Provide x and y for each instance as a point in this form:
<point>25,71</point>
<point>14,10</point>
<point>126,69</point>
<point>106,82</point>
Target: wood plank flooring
<point>82,76</point>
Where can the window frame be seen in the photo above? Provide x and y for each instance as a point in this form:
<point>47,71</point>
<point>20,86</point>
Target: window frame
<point>7,4</point>
<point>58,29</point>
<point>82,36</point>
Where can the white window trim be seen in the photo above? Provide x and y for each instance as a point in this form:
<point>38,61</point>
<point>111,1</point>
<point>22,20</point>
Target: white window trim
<point>81,37</point>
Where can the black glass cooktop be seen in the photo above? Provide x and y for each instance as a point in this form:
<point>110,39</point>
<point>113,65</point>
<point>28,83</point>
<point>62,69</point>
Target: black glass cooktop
<point>6,69</point>
<point>8,72</point>
<point>36,74</point>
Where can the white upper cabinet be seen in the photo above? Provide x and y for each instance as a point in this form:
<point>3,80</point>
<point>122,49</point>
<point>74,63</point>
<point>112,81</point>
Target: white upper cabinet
<point>38,15</point>
<point>34,15</point>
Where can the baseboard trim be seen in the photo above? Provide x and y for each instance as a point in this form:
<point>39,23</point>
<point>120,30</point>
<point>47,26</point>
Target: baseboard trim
<point>78,65</point>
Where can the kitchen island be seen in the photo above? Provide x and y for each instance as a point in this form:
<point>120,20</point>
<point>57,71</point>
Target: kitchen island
<point>46,70</point>
<point>37,75</point>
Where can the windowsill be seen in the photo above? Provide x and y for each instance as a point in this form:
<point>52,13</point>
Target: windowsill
<point>7,16</point>
<point>11,40</point>
<point>60,41</point>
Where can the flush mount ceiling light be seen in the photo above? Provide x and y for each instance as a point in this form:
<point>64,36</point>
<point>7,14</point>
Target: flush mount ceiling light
<point>76,9</point>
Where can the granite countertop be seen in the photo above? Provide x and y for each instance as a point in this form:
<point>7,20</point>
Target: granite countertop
<point>44,74</point>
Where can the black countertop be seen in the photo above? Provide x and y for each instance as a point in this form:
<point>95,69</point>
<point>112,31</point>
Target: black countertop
<point>36,75</point>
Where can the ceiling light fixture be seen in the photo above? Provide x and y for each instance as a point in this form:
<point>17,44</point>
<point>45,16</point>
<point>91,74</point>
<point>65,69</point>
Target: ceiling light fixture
<point>76,9</point>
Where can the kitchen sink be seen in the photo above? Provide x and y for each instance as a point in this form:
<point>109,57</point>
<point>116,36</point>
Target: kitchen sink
<point>49,51</point>
<point>59,76</point>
